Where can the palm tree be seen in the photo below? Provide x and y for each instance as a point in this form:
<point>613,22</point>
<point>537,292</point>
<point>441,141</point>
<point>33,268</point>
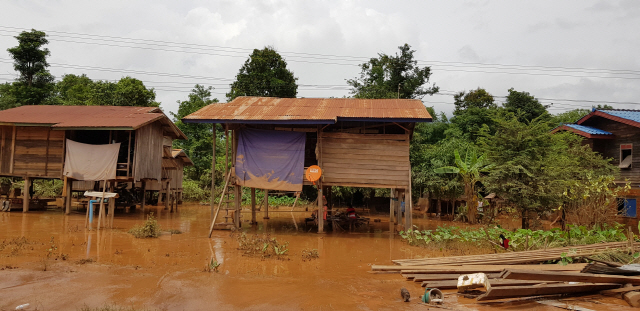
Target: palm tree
<point>469,170</point>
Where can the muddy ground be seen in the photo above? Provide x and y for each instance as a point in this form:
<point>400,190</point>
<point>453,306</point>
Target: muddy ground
<point>59,265</point>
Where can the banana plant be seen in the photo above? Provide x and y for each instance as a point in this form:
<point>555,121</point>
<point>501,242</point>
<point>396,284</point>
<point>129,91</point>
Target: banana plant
<point>469,170</point>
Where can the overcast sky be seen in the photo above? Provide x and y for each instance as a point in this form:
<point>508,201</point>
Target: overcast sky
<point>564,52</point>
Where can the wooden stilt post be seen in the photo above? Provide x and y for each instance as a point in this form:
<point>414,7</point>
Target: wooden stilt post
<point>253,206</point>
<point>144,193</point>
<point>266,204</point>
<point>396,206</point>
<point>166,195</point>
<point>101,212</point>
<point>320,209</point>
<point>237,205</point>
<point>67,202</point>
<point>112,204</point>
<point>26,196</point>
<point>408,208</point>
<point>213,172</point>
<point>391,205</point>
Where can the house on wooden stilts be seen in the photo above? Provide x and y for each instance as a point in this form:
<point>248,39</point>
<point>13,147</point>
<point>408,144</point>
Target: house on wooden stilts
<point>356,142</point>
<point>33,142</point>
<point>613,133</point>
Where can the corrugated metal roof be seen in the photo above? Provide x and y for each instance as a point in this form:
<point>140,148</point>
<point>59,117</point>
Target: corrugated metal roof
<point>588,129</point>
<point>633,115</point>
<point>311,110</point>
<point>86,117</point>
<point>179,153</point>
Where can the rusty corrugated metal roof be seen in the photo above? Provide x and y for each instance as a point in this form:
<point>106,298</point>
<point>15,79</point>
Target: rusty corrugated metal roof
<point>86,117</point>
<point>179,153</point>
<point>311,110</point>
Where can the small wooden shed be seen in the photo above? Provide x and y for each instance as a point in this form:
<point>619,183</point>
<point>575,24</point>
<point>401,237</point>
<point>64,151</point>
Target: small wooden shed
<point>32,140</point>
<point>356,142</point>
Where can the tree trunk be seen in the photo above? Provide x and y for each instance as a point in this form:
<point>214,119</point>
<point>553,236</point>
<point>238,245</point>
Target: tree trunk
<point>472,204</point>
<point>525,220</point>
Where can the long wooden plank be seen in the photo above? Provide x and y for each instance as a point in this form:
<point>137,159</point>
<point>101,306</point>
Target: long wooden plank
<point>369,152</point>
<point>569,277</point>
<point>353,184</point>
<point>481,268</point>
<point>367,180</point>
<point>365,145</point>
<point>451,284</point>
<point>618,291</point>
<point>418,277</point>
<point>360,166</point>
<point>350,177</point>
<point>365,136</point>
<point>367,161</point>
<point>547,289</point>
<point>365,172</point>
<point>380,158</point>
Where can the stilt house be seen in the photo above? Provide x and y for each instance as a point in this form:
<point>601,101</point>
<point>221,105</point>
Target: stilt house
<point>616,135</point>
<point>32,140</point>
<point>356,142</point>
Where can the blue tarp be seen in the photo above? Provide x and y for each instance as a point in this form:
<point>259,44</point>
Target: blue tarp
<point>271,160</point>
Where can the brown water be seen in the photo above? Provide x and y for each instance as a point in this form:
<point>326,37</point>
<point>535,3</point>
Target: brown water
<point>167,273</point>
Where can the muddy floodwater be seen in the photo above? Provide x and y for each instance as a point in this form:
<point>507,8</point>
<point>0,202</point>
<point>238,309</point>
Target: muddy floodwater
<point>59,265</point>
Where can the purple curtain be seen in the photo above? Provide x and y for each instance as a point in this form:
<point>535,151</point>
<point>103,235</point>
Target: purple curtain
<point>271,160</point>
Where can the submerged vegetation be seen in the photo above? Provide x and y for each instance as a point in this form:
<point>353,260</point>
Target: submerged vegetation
<point>262,246</point>
<point>150,229</point>
<point>519,240</point>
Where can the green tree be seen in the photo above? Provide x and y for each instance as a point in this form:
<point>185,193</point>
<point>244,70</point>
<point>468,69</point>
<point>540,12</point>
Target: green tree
<point>474,111</point>
<point>30,58</point>
<point>396,76</point>
<point>34,85</point>
<point>265,73</point>
<point>469,170</point>
<point>524,105</point>
<point>74,90</point>
<point>530,165</point>
<point>198,146</point>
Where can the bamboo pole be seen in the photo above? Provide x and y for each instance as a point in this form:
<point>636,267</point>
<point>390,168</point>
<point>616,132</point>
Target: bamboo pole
<point>104,188</point>
<point>215,216</point>
<point>213,171</point>
<point>294,206</point>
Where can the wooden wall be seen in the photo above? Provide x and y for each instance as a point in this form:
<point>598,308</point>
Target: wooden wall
<point>610,148</point>
<point>6,149</point>
<point>148,152</point>
<point>365,160</point>
<point>37,151</point>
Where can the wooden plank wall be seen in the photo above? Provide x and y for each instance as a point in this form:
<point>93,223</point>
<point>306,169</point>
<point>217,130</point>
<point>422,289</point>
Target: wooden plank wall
<point>148,152</point>
<point>365,160</point>
<point>6,148</point>
<point>39,152</point>
<point>610,148</point>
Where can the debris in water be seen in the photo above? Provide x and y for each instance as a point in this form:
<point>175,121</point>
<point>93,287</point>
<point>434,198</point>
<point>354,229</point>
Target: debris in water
<point>404,293</point>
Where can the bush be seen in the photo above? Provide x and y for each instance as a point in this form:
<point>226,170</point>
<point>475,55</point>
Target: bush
<point>150,229</point>
<point>191,191</point>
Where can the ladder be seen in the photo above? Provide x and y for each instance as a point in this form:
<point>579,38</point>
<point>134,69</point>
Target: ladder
<point>227,190</point>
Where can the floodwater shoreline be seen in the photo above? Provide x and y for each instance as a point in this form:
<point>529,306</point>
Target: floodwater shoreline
<point>111,267</point>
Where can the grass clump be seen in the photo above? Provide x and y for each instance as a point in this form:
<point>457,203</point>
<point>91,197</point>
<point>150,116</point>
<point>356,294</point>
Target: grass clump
<point>150,229</point>
<point>213,265</point>
<point>174,231</point>
<point>309,254</point>
<point>263,246</point>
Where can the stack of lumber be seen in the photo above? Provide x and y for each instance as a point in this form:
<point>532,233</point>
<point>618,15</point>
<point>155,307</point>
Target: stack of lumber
<point>522,274</point>
<point>512,258</point>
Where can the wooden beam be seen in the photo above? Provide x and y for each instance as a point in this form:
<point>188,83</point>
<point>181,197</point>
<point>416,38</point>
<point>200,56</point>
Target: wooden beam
<point>26,196</point>
<point>144,193</point>
<point>253,206</point>
<point>13,148</point>
<point>391,205</point>
<point>441,277</point>
<point>213,173</point>
<point>618,291</point>
<point>452,284</point>
<point>266,204</point>
<point>480,268</point>
<point>408,207</point>
<point>569,277</point>
<point>237,205</point>
<point>547,289</point>
<point>69,196</point>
